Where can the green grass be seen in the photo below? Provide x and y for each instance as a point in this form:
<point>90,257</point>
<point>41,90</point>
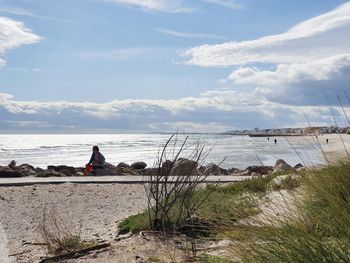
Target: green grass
<point>225,204</point>
<point>134,223</point>
<point>320,232</point>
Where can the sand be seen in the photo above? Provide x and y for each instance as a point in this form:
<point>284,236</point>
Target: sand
<point>91,209</point>
<point>337,147</point>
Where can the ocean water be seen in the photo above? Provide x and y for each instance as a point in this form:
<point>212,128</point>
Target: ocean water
<point>41,150</point>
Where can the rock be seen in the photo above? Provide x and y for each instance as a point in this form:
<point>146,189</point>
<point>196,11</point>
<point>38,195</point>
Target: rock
<point>201,169</point>
<point>282,166</point>
<point>299,165</point>
<point>138,165</point>
<point>212,169</point>
<point>184,167</point>
<point>67,172</point>
<point>12,164</point>
<point>38,170</point>
<point>102,172</point>
<point>167,166</point>
<point>49,173</point>
<point>6,172</point>
<point>233,170</point>
<point>151,171</point>
<point>259,169</point>
<point>23,169</point>
<point>59,168</point>
<point>123,165</point>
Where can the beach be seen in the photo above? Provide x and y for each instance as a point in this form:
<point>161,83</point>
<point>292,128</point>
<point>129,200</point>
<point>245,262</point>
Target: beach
<point>93,210</point>
<point>337,147</point>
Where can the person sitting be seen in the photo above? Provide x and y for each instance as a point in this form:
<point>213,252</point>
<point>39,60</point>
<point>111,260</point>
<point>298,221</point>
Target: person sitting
<point>97,159</point>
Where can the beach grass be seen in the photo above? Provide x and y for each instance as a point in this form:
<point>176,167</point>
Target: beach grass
<point>319,231</point>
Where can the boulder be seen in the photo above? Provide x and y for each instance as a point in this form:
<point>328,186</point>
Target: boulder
<point>59,168</point>
<point>67,172</point>
<point>49,173</point>
<point>185,167</point>
<point>282,166</point>
<point>167,166</point>
<point>103,172</point>
<point>125,171</point>
<point>38,170</point>
<point>23,169</point>
<point>6,172</point>
<point>12,164</point>
<point>212,169</point>
<point>123,165</point>
<point>152,171</point>
<point>259,169</point>
<point>233,170</point>
<point>299,165</point>
<point>138,165</point>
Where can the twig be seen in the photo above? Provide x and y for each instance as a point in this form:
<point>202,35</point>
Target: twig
<point>74,254</point>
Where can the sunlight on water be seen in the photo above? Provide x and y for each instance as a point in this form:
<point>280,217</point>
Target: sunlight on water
<point>239,151</point>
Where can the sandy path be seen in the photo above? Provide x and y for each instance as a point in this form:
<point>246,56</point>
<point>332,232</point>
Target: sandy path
<point>93,209</point>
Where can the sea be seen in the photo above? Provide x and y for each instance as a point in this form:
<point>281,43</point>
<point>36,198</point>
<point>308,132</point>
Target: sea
<point>41,150</point>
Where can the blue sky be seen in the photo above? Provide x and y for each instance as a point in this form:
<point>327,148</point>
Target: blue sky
<point>161,65</point>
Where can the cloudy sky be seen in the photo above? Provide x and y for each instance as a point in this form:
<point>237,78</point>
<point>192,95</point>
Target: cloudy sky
<point>172,65</point>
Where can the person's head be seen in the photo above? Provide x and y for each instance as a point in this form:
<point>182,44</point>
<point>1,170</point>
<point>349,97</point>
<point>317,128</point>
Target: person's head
<point>95,148</point>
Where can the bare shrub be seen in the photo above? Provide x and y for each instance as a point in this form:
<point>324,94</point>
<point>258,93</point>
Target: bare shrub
<point>59,235</point>
<point>171,191</point>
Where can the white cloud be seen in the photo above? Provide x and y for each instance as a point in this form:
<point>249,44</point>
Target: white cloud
<point>168,6</point>
<point>217,110</point>
<point>187,35</point>
<point>329,68</point>
<point>323,36</point>
<point>232,4</point>
<point>24,12</point>
<point>14,34</point>
<point>16,11</point>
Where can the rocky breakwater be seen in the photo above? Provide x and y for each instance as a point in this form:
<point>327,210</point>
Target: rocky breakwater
<point>182,166</point>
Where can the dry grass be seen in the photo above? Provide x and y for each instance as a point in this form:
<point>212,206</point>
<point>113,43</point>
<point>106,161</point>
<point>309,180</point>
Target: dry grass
<point>59,235</point>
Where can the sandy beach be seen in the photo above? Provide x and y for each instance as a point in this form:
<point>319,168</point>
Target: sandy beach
<point>94,209</point>
<point>336,146</point>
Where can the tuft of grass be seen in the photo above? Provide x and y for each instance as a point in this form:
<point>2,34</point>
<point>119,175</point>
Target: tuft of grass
<point>59,235</point>
<point>290,182</point>
<point>318,232</point>
<point>134,223</point>
<point>154,259</point>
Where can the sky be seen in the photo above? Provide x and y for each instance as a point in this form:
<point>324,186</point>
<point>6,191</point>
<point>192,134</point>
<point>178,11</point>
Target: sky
<point>134,66</point>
